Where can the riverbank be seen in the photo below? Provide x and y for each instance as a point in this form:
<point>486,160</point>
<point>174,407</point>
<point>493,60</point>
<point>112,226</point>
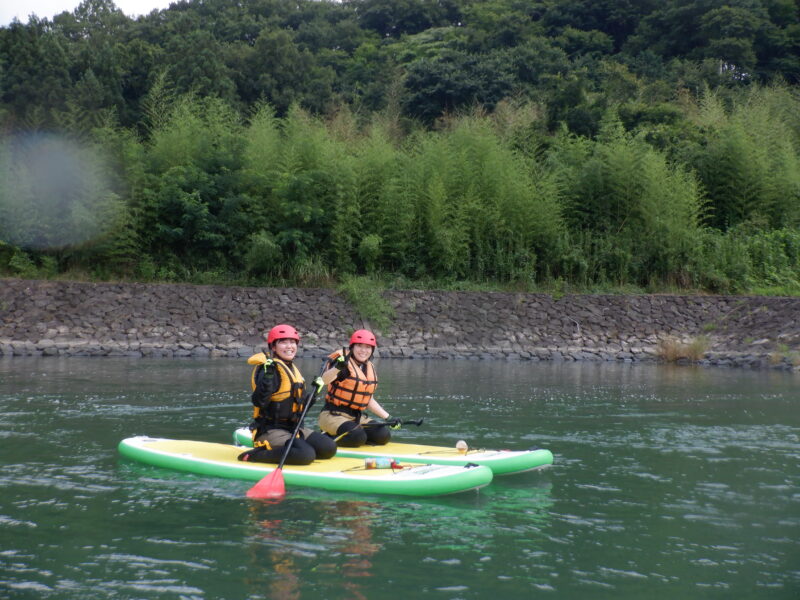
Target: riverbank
<point>173,320</point>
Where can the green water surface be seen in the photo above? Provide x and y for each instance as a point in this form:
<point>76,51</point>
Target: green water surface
<point>668,482</point>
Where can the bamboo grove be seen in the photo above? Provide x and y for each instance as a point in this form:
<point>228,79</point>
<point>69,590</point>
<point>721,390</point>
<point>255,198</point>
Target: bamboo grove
<point>552,145</point>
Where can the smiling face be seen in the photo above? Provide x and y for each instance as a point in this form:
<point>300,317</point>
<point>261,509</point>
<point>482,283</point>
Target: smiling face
<point>362,352</point>
<point>285,349</point>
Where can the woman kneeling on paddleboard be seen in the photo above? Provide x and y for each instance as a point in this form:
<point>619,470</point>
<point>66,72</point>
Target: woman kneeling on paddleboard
<point>278,397</point>
<point>351,393</point>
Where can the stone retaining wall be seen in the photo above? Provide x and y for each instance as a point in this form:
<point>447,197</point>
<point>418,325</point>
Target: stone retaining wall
<point>106,319</point>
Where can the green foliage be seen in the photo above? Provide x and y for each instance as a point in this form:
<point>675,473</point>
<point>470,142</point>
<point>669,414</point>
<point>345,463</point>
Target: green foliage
<point>22,265</point>
<point>454,80</point>
<point>634,215</point>
<point>399,17</point>
<point>196,65</point>
<point>749,165</point>
<point>748,259</point>
<point>194,208</point>
<point>35,75</point>
<point>201,132</point>
<point>310,271</point>
<point>721,263</point>
<point>96,61</point>
<point>275,69</point>
<point>364,294</point>
<point>157,104</point>
<point>263,255</point>
<point>552,145</point>
<point>732,34</point>
<point>775,259</point>
<point>464,206</point>
<point>369,250</point>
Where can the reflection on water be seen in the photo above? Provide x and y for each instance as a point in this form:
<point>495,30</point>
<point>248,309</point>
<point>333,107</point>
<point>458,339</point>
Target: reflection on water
<point>343,546</point>
<point>667,482</point>
<point>338,540</point>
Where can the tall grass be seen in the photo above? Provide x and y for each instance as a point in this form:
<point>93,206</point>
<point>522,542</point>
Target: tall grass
<point>632,216</point>
<point>749,164</point>
<point>465,206</point>
<point>482,200</point>
<point>364,294</point>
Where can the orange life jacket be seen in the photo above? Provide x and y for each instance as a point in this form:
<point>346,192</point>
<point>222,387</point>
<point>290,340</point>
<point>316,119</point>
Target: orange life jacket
<point>354,391</point>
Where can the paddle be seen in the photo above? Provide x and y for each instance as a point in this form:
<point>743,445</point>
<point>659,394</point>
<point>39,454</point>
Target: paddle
<point>390,422</point>
<point>272,485</point>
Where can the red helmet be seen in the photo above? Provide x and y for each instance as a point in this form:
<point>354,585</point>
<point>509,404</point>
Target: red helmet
<point>363,336</point>
<point>282,332</point>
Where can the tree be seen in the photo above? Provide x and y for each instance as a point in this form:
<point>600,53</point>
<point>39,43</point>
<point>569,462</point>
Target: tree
<point>616,18</point>
<point>277,71</point>
<point>456,80</point>
<point>35,76</point>
<point>501,24</point>
<point>193,208</point>
<point>196,65</point>
<point>394,18</point>
<point>738,34</point>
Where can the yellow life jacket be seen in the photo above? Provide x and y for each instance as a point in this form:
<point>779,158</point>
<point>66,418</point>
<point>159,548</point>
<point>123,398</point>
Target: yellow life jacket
<point>285,403</point>
<point>354,392</point>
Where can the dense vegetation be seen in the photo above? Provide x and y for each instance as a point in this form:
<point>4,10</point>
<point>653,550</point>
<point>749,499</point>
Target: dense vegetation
<point>559,144</point>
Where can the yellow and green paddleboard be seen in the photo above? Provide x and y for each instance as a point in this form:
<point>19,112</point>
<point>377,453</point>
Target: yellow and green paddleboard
<point>337,474</point>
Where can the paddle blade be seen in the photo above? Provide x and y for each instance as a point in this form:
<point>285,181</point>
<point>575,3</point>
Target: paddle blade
<point>271,486</point>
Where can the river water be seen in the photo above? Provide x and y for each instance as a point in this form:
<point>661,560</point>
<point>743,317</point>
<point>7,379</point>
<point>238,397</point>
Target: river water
<point>668,482</point>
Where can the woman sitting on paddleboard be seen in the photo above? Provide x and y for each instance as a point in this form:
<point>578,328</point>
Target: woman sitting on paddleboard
<point>351,393</point>
<point>278,397</point>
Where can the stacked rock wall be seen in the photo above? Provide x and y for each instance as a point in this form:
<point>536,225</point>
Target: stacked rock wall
<point>103,319</point>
